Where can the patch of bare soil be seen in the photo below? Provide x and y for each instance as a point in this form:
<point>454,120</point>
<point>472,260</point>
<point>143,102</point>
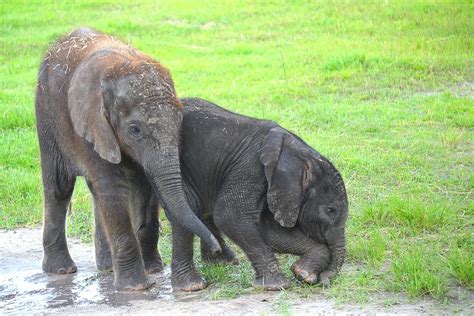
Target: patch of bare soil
<point>25,289</point>
<point>460,90</point>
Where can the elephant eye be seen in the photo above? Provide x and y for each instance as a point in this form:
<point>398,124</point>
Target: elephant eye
<point>331,211</point>
<point>135,131</point>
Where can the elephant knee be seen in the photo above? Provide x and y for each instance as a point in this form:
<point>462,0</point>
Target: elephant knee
<point>219,220</point>
<point>323,254</point>
<point>141,232</point>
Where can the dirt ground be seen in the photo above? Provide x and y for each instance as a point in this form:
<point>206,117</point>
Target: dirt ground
<point>25,289</point>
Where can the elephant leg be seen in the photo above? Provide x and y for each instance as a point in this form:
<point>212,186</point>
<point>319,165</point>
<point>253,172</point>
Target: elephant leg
<point>242,229</point>
<point>184,276</point>
<point>144,217</point>
<point>315,257</point>
<point>58,186</point>
<point>103,254</point>
<point>227,256</point>
<point>145,225</point>
<point>112,203</point>
<point>148,235</point>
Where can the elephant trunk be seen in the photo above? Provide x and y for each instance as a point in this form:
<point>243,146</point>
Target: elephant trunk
<point>167,182</point>
<point>337,249</point>
<point>338,255</point>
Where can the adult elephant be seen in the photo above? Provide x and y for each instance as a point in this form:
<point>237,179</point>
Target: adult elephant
<point>109,113</point>
<point>264,188</point>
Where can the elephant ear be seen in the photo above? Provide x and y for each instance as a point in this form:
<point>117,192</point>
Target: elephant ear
<point>283,204</point>
<point>86,107</point>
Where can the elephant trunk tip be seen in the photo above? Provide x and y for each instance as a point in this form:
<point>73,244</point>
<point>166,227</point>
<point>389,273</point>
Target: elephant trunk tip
<point>214,246</point>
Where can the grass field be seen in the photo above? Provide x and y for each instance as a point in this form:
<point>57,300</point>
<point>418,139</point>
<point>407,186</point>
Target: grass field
<point>385,90</point>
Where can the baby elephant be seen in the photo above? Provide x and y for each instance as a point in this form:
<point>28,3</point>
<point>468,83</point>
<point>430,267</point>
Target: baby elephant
<point>265,189</point>
<point>109,113</point>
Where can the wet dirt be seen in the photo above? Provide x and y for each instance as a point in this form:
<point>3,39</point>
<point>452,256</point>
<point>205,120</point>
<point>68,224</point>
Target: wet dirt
<point>26,289</point>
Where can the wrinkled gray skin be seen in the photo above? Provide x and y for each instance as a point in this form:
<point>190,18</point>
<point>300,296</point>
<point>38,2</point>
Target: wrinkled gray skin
<point>109,113</point>
<point>265,189</point>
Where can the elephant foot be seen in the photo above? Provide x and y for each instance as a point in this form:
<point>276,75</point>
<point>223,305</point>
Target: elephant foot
<point>132,283</point>
<point>154,266</point>
<point>227,256</point>
<point>326,277</point>
<point>105,267</point>
<point>273,282</point>
<point>188,283</point>
<point>305,271</point>
<point>59,263</point>
<point>104,264</point>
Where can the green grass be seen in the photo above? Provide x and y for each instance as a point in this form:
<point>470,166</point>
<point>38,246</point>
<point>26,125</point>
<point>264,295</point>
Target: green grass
<point>416,271</point>
<point>384,89</point>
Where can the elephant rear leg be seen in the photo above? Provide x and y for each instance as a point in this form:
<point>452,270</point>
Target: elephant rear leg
<point>58,186</point>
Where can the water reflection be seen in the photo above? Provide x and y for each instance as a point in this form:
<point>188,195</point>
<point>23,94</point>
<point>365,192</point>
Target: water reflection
<point>24,287</point>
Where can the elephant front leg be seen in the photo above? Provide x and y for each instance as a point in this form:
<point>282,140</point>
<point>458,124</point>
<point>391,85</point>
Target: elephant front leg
<point>267,271</point>
<point>148,234</point>
<point>103,255</point>
<point>126,258</point>
<point>241,228</point>
<point>227,256</point>
<point>315,257</point>
<point>184,276</point>
<point>310,267</point>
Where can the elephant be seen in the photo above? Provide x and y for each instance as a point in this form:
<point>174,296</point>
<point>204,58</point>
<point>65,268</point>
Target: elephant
<point>109,113</point>
<point>263,187</point>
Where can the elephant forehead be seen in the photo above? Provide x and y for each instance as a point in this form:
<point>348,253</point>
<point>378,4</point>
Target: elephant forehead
<point>149,88</point>
<point>158,117</point>
<point>156,109</point>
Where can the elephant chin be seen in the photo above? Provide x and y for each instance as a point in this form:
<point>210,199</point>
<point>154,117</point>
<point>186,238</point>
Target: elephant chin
<point>167,182</point>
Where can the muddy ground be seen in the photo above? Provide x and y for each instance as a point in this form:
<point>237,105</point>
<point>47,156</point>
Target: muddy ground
<point>25,289</point>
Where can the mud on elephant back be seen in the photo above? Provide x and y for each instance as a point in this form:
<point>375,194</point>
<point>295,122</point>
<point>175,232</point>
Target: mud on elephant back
<point>266,189</point>
<point>109,113</point>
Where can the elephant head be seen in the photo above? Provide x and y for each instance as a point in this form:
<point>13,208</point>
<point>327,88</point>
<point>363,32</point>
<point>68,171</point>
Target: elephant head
<point>305,190</point>
<point>125,105</point>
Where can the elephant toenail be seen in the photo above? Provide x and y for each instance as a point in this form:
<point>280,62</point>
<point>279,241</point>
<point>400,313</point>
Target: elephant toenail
<point>311,279</point>
<point>325,282</point>
<point>304,274</point>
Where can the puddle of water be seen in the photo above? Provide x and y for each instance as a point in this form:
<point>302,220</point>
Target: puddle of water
<point>24,287</point>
